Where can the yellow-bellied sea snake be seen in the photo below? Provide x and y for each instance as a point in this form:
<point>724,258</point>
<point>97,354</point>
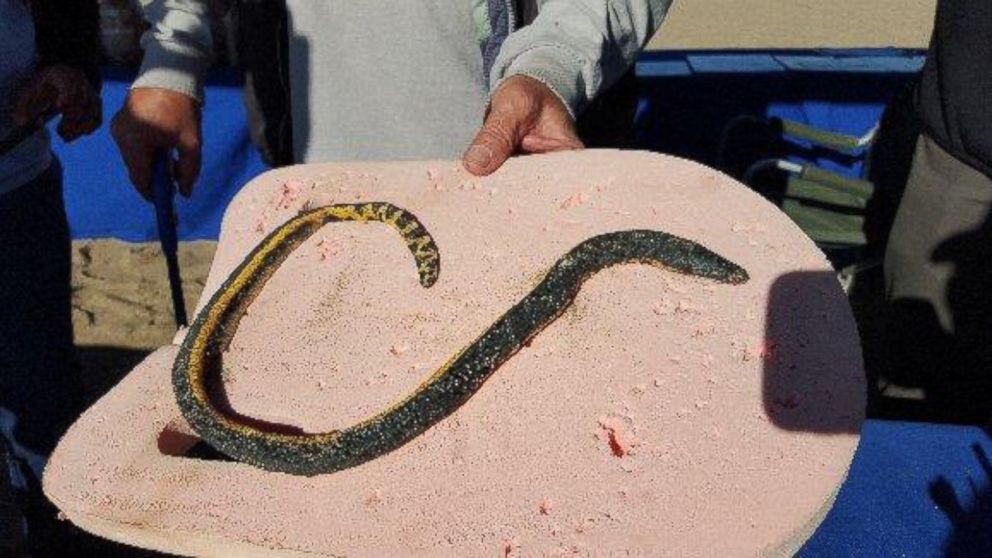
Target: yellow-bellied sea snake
<point>440,394</point>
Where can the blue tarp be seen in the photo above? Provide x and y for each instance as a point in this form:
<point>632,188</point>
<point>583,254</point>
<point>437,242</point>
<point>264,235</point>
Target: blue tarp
<point>100,201</point>
<point>871,61</point>
<point>687,99</point>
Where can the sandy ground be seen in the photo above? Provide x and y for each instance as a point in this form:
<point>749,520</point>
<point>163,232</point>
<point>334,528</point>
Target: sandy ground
<point>121,291</point>
<point>796,24</point>
<point>121,307</point>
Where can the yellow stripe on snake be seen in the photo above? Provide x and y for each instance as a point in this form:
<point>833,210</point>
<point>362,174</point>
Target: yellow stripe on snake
<point>437,396</point>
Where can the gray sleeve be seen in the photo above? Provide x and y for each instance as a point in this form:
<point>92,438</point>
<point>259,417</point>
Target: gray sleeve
<point>579,47</point>
<point>178,46</point>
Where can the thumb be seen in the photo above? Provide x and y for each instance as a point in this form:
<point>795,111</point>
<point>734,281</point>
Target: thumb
<point>496,141</point>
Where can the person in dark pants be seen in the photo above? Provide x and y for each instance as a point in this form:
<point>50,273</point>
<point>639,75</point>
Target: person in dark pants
<point>938,262</point>
<point>48,64</point>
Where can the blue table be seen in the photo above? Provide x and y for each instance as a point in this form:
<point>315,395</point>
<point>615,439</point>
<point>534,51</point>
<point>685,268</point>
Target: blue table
<point>687,98</point>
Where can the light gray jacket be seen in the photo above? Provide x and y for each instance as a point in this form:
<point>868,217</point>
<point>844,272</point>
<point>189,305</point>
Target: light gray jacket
<point>575,47</point>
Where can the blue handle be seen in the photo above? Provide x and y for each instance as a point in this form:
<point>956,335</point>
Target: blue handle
<point>164,190</point>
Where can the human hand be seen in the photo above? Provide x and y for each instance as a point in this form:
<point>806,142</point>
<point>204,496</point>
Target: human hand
<point>524,115</point>
<point>62,90</point>
<point>154,120</point>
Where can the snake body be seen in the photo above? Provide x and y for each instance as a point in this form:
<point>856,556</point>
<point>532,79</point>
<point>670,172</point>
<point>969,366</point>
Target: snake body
<point>440,394</point>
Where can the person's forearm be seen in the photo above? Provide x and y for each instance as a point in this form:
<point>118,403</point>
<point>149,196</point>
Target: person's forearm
<point>67,34</point>
<point>178,46</point>
<point>579,47</point>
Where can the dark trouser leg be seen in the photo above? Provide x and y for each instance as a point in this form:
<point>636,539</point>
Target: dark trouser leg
<point>40,388</point>
<point>39,373</point>
<point>938,271</point>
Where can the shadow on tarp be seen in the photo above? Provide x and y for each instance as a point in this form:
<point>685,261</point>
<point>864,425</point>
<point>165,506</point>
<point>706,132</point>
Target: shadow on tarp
<point>969,510</point>
<point>914,489</point>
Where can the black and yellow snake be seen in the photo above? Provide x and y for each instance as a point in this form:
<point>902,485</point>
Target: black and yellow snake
<point>200,357</point>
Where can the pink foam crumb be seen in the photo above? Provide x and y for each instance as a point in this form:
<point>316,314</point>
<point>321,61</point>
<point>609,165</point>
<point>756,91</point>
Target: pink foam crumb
<point>399,350</point>
<point>660,308</point>
<point>287,194</point>
<point>686,307</point>
<point>574,200</point>
<point>616,433</point>
<point>545,506</point>
<point>326,249</point>
<point>746,354</point>
<point>373,498</point>
<point>704,329</point>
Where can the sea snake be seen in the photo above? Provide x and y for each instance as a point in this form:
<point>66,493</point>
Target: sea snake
<point>199,360</point>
